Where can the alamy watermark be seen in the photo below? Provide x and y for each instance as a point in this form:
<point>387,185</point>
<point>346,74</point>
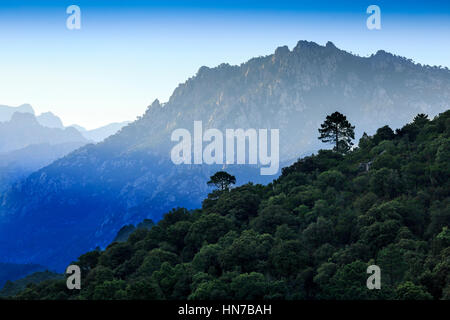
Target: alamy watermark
<point>73,21</point>
<point>189,150</point>
<point>374,280</point>
<point>74,277</point>
<point>373,22</point>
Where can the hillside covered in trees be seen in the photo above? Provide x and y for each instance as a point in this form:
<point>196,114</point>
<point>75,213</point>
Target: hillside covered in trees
<point>308,235</point>
<point>82,200</point>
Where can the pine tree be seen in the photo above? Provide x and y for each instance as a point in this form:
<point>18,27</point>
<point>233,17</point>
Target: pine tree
<point>222,180</point>
<point>337,130</point>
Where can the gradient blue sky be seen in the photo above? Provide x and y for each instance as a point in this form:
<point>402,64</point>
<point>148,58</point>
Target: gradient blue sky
<point>129,53</point>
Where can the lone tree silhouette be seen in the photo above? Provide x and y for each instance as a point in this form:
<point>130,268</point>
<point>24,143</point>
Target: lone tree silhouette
<point>337,130</point>
<point>222,180</point>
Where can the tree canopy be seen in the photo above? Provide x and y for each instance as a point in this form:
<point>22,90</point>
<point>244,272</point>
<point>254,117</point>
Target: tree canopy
<point>337,130</point>
<point>311,234</point>
<point>222,180</point>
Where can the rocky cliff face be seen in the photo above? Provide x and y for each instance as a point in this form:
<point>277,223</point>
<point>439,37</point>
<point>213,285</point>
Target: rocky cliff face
<point>82,200</point>
<point>294,90</point>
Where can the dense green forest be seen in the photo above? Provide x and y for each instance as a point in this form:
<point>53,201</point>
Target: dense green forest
<point>311,234</point>
<point>13,271</point>
<point>12,288</point>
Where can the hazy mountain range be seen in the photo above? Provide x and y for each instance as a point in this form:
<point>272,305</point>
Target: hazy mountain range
<point>50,120</point>
<point>23,130</point>
<point>82,200</point>
<point>18,164</point>
<point>100,134</point>
<point>29,142</point>
<point>6,112</point>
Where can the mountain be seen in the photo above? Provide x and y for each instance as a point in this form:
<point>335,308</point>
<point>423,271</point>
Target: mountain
<point>12,271</point>
<point>12,288</point>
<point>23,130</point>
<point>18,164</point>
<point>49,120</point>
<point>29,143</point>
<point>79,128</point>
<point>26,145</point>
<point>81,201</point>
<point>6,112</point>
<point>310,235</point>
<point>101,133</point>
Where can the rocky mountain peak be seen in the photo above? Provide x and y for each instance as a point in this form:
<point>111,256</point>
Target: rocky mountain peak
<point>282,51</point>
<point>155,104</point>
<point>304,45</point>
<point>49,120</point>
<point>330,45</point>
<point>25,108</point>
<point>23,118</point>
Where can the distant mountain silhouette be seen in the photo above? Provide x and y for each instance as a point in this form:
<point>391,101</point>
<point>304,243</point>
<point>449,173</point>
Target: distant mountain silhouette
<point>23,130</point>
<point>49,120</point>
<point>6,112</point>
<point>18,164</point>
<point>82,200</point>
<point>29,142</point>
<point>26,145</point>
<point>101,133</point>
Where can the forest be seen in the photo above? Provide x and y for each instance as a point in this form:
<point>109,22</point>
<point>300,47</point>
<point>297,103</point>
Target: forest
<point>310,234</point>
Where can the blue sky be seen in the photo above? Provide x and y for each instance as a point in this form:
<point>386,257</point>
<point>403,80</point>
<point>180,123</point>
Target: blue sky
<point>129,53</point>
